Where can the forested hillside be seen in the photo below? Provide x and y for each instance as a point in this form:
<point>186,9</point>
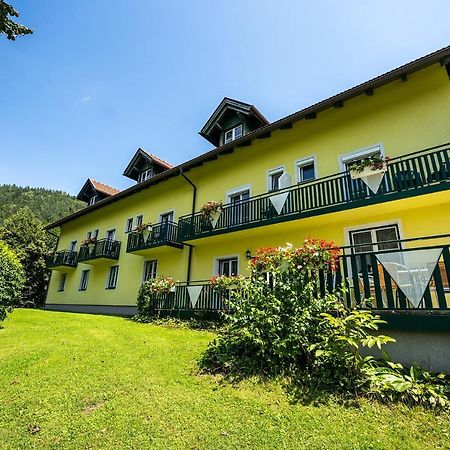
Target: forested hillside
<point>47,205</point>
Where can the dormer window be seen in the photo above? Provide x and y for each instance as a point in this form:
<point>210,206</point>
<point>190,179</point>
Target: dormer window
<point>233,134</point>
<point>146,174</point>
<point>93,200</point>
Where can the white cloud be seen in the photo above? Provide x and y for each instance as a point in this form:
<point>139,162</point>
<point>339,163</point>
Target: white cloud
<point>86,99</point>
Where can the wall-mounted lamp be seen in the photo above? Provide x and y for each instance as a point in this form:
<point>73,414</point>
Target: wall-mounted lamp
<point>248,254</point>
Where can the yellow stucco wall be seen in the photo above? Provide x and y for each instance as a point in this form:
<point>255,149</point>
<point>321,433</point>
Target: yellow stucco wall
<point>403,116</point>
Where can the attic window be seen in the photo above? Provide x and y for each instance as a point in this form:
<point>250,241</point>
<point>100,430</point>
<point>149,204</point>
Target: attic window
<point>233,134</point>
<point>93,199</point>
<point>146,174</point>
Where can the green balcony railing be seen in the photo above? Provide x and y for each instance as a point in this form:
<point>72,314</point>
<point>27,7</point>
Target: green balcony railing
<point>414,174</point>
<point>164,233</point>
<point>63,258</point>
<point>101,249</point>
<point>404,276</point>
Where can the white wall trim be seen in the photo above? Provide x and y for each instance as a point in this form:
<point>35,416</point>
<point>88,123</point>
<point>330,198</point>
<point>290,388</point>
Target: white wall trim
<point>215,269</point>
<point>359,153</point>
<point>303,162</point>
<point>238,190</point>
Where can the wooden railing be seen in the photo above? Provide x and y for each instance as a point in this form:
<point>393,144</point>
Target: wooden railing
<point>103,248</point>
<point>414,174</point>
<point>164,233</point>
<point>63,258</point>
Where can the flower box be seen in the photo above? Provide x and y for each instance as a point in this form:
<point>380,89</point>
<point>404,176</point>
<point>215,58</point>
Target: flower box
<point>367,172</point>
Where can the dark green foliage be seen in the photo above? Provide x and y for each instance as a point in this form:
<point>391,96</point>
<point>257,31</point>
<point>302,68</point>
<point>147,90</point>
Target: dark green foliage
<point>24,234</point>
<point>278,324</point>
<point>11,279</point>
<point>7,25</point>
<point>46,204</point>
<point>146,301</point>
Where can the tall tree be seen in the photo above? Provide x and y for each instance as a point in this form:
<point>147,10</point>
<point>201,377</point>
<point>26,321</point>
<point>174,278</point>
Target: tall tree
<point>23,232</point>
<point>8,26</point>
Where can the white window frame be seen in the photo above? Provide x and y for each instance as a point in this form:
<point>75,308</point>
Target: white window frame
<point>93,199</point>
<point>165,213</point>
<point>271,173</point>
<point>305,162</point>
<point>233,133</point>
<point>372,225</point>
<point>84,272</point>
<point>113,230</point>
<point>216,259</point>
<point>139,220</point>
<point>155,261</point>
<point>238,190</point>
<point>73,246</point>
<point>62,282</point>
<point>146,174</point>
<point>129,225</point>
<point>108,277</point>
<point>360,153</point>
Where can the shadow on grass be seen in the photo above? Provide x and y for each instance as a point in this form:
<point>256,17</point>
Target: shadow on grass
<point>192,323</point>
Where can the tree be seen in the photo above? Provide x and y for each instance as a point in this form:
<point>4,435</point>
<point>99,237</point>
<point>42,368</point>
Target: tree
<point>8,26</point>
<point>23,232</point>
<point>11,279</point>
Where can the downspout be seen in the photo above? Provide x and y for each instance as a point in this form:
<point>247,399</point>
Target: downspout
<point>194,200</point>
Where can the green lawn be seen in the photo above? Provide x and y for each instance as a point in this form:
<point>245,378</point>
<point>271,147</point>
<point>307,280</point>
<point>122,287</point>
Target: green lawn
<point>78,381</point>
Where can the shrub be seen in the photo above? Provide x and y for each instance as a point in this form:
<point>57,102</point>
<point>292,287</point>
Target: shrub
<point>149,292</point>
<point>11,279</point>
<point>279,324</point>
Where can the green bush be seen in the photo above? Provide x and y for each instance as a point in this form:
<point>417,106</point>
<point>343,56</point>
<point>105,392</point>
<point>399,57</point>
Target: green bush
<point>278,324</point>
<point>11,279</point>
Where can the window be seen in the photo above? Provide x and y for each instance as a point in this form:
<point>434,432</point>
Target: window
<point>150,270</point>
<point>373,239</point>
<point>129,225</point>
<point>92,234</point>
<point>62,282</point>
<point>84,280</point>
<point>146,174</point>
<point>139,220</point>
<point>273,179</point>
<point>166,217</point>
<point>233,134</point>
<point>111,234</point>
<point>93,199</point>
<point>88,234</point>
<point>306,170</point>
<point>239,211</point>
<point>111,280</point>
<point>72,246</point>
<point>227,266</point>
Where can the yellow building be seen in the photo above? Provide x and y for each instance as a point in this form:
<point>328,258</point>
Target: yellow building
<point>281,182</point>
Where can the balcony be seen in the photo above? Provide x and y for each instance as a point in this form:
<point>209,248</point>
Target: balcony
<point>418,173</point>
<point>161,234</point>
<point>62,260</point>
<point>103,249</point>
<point>405,281</point>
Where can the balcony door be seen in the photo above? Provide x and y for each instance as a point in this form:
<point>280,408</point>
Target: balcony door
<point>165,220</point>
<point>110,238</point>
<point>239,208</point>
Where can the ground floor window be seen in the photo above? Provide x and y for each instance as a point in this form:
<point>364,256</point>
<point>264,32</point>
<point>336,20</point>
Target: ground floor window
<point>84,280</point>
<point>62,282</point>
<point>375,239</point>
<point>227,266</point>
<point>150,270</point>
<point>111,281</point>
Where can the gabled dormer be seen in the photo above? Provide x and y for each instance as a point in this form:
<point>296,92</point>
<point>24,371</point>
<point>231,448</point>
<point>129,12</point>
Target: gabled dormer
<point>144,165</point>
<point>94,191</point>
<point>231,120</point>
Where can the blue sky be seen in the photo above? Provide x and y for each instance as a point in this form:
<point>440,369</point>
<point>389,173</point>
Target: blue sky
<point>99,78</point>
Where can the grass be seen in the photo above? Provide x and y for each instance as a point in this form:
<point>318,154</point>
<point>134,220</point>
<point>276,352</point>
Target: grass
<point>72,381</point>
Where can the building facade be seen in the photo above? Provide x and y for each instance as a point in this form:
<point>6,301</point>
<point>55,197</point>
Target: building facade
<point>278,182</point>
